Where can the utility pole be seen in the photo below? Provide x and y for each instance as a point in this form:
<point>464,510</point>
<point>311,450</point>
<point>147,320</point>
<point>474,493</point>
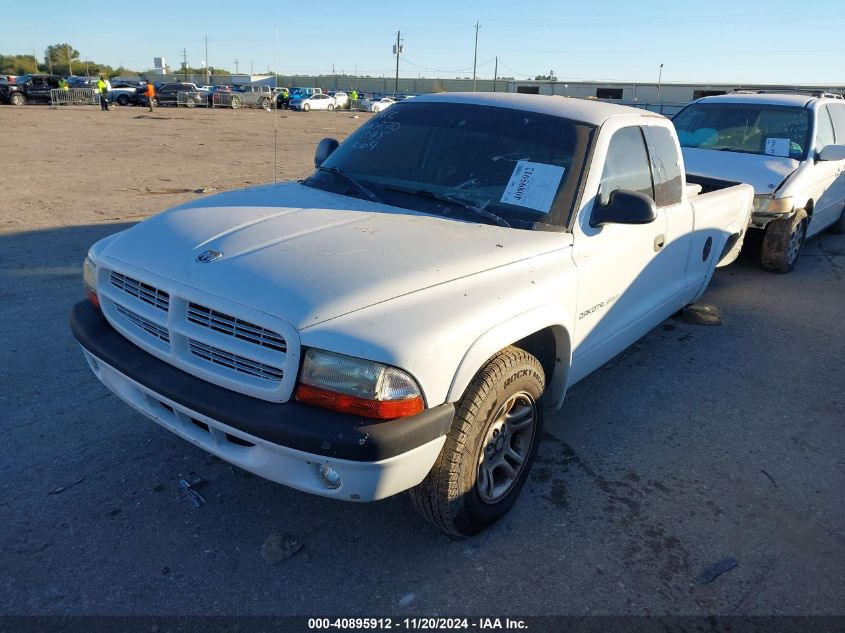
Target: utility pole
<point>69,64</point>
<point>397,49</point>
<point>251,68</point>
<point>659,77</point>
<point>495,73</point>
<point>35,59</point>
<point>207,72</point>
<point>475,56</point>
<point>236,66</point>
<point>185,63</point>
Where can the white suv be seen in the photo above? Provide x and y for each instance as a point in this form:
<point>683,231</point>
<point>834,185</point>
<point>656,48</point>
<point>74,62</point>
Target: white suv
<point>789,147</point>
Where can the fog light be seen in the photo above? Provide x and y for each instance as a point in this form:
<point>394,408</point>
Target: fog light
<point>329,477</point>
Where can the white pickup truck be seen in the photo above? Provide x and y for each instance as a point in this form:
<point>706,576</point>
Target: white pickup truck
<point>401,318</point>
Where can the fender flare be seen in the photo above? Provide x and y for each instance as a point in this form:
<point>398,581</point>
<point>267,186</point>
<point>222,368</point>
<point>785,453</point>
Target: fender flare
<point>508,332</point>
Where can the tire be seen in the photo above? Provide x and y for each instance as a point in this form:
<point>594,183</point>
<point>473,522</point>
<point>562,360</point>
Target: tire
<point>190,103</point>
<point>123,100</point>
<point>305,107</point>
<point>838,227</point>
<point>17,99</point>
<point>783,241</point>
<point>461,494</point>
<point>236,103</point>
<point>375,109</point>
<point>264,103</point>
<point>330,107</point>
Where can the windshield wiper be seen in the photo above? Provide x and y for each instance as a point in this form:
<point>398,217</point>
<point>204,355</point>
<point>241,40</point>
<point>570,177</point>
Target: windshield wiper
<point>337,171</point>
<point>460,202</point>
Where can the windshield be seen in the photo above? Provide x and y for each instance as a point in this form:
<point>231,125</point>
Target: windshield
<point>521,166</point>
<point>746,128</point>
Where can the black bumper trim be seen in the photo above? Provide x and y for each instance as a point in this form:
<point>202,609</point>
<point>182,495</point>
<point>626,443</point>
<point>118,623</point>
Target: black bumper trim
<point>292,424</point>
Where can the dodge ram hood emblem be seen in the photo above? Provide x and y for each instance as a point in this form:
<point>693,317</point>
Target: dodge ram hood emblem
<point>206,257</point>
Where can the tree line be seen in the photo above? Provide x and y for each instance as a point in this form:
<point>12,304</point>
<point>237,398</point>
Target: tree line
<point>65,60</point>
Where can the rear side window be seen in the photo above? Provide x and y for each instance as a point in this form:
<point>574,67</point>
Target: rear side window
<point>824,130</point>
<point>665,165</point>
<point>627,165</point>
<point>837,113</point>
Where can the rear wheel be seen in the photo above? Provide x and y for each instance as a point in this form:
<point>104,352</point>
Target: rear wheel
<point>376,109</point>
<point>330,107</point>
<point>783,242</point>
<point>17,99</point>
<point>490,449</point>
<point>265,103</point>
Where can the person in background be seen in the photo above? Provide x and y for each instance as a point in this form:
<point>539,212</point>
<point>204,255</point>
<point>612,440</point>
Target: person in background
<point>150,93</point>
<point>102,88</point>
<point>63,84</point>
<point>353,99</point>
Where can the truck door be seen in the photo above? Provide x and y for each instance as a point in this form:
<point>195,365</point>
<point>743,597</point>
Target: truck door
<point>621,277</point>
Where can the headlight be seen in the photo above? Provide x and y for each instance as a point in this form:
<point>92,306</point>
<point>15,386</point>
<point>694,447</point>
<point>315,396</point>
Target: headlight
<point>89,280</point>
<point>767,204</point>
<point>357,386</point>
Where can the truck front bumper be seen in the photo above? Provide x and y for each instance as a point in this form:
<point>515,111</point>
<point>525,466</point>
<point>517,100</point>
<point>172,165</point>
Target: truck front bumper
<point>311,449</point>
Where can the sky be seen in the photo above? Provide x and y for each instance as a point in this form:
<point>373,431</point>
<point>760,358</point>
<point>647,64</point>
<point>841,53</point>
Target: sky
<point>737,41</point>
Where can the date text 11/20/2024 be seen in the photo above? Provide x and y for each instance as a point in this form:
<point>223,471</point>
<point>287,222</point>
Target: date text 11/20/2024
<point>422,623</point>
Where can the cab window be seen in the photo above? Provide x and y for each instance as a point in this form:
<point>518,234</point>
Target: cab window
<point>627,165</point>
<point>824,130</point>
<point>665,165</point>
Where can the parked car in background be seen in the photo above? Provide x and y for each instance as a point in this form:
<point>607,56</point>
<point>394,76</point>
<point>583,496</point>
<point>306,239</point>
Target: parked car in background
<point>29,89</point>
<point>168,94</point>
<point>254,95</point>
<point>789,147</point>
<point>341,99</point>
<point>312,102</point>
<point>123,93</point>
<point>376,105</point>
<point>301,91</point>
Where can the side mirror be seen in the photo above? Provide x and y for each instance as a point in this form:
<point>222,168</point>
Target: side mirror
<point>324,150</point>
<point>624,207</point>
<point>832,152</point>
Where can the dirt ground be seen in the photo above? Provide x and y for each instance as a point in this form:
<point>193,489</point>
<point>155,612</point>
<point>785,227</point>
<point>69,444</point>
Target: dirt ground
<point>77,165</point>
<point>699,445</point>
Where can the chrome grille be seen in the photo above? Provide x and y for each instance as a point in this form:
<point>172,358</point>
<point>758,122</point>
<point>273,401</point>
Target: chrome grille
<point>145,324</point>
<point>145,292</point>
<point>233,326</point>
<point>233,361</point>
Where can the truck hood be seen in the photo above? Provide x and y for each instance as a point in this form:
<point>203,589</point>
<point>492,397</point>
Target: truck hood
<point>306,256</point>
<point>764,173</point>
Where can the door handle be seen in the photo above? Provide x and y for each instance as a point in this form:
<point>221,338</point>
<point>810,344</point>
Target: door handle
<point>659,242</point>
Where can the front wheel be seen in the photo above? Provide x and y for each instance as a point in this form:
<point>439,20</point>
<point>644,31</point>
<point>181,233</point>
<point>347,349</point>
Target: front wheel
<point>330,107</point>
<point>123,100</point>
<point>376,109</point>
<point>236,103</point>
<point>17,99</point>
<point>783,242</point>
<point>490,449</point>
<point>305,107</point>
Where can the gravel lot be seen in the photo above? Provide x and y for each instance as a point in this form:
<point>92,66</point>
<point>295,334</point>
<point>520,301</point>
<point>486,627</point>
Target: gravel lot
<point>698,444</point>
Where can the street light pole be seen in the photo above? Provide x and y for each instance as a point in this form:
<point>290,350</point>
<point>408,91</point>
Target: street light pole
<point>475,56</point>
<point>659,77</point>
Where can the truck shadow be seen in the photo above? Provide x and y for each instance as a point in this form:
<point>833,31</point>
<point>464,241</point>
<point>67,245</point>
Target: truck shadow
<point>620,469</point>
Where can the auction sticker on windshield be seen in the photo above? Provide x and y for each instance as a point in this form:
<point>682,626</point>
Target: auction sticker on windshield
<point>777,146</point>
<point>533,185</point>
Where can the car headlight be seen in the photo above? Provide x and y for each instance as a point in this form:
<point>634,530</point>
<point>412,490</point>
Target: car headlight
<point>89,280</point>
<point>767,204</point>
<point>357,386</point>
